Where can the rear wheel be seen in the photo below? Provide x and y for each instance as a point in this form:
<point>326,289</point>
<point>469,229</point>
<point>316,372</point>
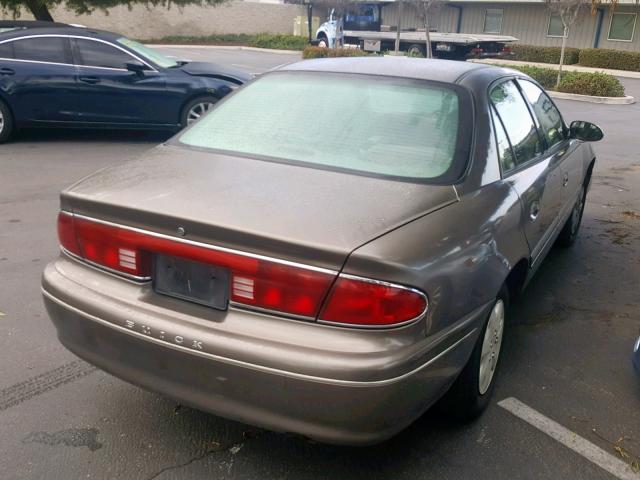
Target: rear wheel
<point>416,50</point>
<point>6,122</point>
<point>569,232</point>
<point>471,392</point>
<point>196,108</point>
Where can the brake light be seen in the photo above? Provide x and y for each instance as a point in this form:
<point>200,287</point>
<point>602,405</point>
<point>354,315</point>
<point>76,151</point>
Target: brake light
<point>255,281</point>
<point>356,301</point>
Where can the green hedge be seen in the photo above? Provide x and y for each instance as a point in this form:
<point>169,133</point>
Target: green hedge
<point>532,53</point>
<point>279,41</point>
<point>321,52</point>
<point>604,58</point>
<point>583,83</point>
<point>261,40</point>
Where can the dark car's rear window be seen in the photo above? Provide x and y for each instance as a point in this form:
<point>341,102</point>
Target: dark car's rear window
<point>373,124</point>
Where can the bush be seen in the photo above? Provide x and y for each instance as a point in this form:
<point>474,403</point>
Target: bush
<point>582,83</point>
<point>544,76</point>
<point>279,41</point>
<point>321,52</point>
<point>598,84</point>
<point>531,53</point>
<point>263,40</point>
<point>604,58</point>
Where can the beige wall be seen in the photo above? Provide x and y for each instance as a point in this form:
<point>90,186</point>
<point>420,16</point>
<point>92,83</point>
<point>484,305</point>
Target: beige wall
<point>633,45</point>
<point>232,17</point>
<point>444,20</point>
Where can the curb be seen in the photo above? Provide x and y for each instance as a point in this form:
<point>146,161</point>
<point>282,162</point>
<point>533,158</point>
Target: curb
<point>226,47</point>
<point>626,100</point>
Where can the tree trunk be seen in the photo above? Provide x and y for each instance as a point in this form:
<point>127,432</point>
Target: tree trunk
<point>428,53</point>
<point>39,10</point>
<point>398,27</point>
<point>564,44</point>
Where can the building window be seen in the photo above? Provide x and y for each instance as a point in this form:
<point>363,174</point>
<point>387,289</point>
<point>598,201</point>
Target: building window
<point>492,20</point>
<point>622,27</point>
<point>556,28</point>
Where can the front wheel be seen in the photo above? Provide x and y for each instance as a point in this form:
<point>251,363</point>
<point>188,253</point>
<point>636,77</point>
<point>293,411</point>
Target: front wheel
<point>195,109</point>
<point>471,392</point>
<point>323,42</point>
<point>6,122</point>
<point>569,232</point>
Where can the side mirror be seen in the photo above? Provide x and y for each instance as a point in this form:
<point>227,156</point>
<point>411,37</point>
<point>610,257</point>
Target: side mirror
<point>136,67</point>
<point>585,131</point>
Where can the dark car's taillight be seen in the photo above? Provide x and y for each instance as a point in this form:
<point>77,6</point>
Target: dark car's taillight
<point>256,281</point>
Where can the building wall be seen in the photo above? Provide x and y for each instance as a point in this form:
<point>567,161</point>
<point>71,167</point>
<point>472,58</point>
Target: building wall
<point>443,20</point>
<point>633,45</point>
<point>156,22</point>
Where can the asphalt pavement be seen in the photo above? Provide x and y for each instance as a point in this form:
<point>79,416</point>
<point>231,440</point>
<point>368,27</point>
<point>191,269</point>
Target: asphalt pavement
<point>566,357</point>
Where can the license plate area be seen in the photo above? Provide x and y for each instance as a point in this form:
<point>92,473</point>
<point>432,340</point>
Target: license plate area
<point>192,281</point>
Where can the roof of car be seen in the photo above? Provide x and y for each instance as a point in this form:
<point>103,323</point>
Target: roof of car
<point>448,71</point>
<point>58,30</point>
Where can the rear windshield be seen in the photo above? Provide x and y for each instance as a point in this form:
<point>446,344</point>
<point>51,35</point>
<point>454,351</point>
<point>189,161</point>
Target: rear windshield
<point>372,124</point>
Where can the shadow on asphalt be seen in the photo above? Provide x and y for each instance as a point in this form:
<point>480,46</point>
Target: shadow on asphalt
<point>37,135</point>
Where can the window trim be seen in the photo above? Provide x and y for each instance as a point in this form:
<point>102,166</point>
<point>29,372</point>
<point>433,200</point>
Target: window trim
<point>495,115</point>
<point>70,53</point>
<point>633,30</point>
<point>551,14</point>
<point>484,23</point>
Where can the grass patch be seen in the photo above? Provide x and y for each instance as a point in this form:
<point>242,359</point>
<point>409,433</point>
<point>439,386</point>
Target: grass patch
<point>321,52</point>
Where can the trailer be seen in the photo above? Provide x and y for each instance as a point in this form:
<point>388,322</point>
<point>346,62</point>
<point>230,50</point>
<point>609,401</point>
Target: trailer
<point>352,31</point>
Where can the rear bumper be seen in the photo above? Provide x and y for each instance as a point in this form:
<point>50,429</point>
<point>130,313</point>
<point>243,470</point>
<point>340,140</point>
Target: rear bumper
<point>340,402</point>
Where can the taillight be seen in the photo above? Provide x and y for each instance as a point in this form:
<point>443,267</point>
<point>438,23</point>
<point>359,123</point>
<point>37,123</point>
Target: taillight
<point>255,281</point>
<point>364,302</point>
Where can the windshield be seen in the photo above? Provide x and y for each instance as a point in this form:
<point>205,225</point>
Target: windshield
<point>378,125</point>
<point>149,53</point>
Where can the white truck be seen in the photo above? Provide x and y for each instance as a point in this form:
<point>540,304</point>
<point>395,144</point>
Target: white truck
<point>454,46</point>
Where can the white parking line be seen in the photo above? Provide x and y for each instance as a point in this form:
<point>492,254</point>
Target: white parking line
<point>569,439</point>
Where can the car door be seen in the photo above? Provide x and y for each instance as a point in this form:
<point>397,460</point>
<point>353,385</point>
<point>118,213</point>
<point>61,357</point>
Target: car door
<point>111,94</point>
<point>533,173</point>
<point>38,78</point>
<point>558,143</point>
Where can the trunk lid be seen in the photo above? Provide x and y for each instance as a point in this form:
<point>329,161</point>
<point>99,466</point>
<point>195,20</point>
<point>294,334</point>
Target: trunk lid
<point>295,213</point>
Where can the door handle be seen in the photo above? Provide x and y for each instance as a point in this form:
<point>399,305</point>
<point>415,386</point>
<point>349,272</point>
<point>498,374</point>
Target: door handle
<point>534,211</point>
<point>7,71</point>
<point>90,80</point>
<point>565,180</point>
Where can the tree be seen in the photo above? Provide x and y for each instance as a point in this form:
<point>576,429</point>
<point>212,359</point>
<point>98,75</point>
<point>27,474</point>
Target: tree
<point>40,8</point>
<point>568,11</point>
<point>426,9</point>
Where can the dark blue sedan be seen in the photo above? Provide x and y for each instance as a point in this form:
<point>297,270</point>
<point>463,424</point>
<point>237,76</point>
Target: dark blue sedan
<point>78,77</point>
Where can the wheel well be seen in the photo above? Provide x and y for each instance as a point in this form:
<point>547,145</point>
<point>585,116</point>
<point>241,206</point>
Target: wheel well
<point>587,177</point>
<point>516,278</point>
<point>321,35</point>
<point>6,104</point>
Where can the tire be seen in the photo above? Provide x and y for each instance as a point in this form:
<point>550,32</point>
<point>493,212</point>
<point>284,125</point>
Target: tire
<point>569,232</point>
<point>323,41</point>
<point>6,122</point>
<point>471,393</point>
<point>416,50</point>
<point>198,106</point>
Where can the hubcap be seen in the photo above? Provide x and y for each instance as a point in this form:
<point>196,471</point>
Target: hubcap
<point>323,44</point>
<point>491,347</point>
<point>1,121</point>
<point>198,110</point>
<point>576,215</point>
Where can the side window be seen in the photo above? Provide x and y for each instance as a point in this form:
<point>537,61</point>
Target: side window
<point>548,115</point>
<point>98,54</point>
<point>6,50</point>
<point>41,49</point>
<point>505,153</point>
<point>517,121</point>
